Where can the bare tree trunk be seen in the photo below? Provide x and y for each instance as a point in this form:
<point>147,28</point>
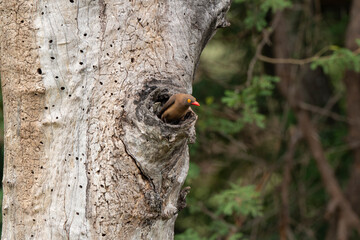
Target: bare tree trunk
<point>352,83</point>
<point>348,219</point>
<point>86,157</point>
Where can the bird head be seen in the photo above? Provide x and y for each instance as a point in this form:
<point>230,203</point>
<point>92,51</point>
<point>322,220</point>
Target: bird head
<point>190,100</point>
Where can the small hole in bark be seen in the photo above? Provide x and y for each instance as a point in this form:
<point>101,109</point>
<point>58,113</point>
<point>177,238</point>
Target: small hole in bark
<point>39,71</point>
<point>104,234</point>
<point>80,186</point>
<point>115,81</point>
<point>69,155</point>
<point>50,41</point>
<point>41,142</point>
<point>132,60</point>
<point>46,108</point>
<point>119,28</point>
<point>62,88</point>
<point>72,1</point>
<point>30,236</point>
<point>34,220</point>
<point>22,21</point>
<point>57,117</point>
<point>81,51</point>
<point>53,105</point>
<point>32,171</point>
<point>70,95</point>
<point>42,13</point>
<point>77,158</point>
<point>111,45</point>
<point>101,185</point>
<point>52,58</point>
<point>85,34</point>
<point>101,83</point>
<point>77,213</point>
<point>41,167</point>
<point>56,76</point>
<point>68,185</point>
<point>52,190</point>
<point>81,63</point>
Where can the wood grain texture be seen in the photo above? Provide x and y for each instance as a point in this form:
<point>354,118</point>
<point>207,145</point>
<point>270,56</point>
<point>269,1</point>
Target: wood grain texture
<point>86,156</point>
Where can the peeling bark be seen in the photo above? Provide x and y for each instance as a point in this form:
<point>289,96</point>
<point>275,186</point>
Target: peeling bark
<point>86,155</point>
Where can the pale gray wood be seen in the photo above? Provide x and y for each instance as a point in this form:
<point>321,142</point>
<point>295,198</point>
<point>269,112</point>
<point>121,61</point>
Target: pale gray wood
<point>86,155</point>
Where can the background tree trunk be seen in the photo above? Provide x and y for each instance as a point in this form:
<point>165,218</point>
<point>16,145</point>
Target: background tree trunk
<point>352,83</point>
<point>86,156</point>
<point>342,207</point>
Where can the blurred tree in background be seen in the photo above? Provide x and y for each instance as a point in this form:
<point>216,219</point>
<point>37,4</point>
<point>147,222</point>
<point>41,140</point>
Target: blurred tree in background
<point>277,153</point>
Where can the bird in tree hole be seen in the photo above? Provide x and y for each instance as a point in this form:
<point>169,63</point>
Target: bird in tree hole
<point>176,108</point>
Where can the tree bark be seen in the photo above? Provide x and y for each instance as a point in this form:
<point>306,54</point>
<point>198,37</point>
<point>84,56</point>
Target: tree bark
<point>86,157</point>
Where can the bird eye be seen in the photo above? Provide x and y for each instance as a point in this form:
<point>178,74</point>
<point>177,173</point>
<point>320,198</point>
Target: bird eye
<point>189,101</point>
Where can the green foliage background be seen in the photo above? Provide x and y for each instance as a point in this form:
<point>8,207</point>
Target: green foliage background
<point>244,126</point>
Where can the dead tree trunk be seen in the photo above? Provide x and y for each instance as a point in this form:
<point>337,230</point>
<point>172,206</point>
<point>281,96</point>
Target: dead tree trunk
<point>86,157</point>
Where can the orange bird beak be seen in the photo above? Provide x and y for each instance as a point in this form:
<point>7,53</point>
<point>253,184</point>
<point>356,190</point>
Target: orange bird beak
<point>196,104</point>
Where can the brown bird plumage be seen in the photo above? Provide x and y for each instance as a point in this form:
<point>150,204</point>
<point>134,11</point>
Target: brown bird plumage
<point>176,107</point>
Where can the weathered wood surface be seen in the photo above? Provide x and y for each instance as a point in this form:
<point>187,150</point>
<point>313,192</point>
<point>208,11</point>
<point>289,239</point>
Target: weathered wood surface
<point>86,156</point>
